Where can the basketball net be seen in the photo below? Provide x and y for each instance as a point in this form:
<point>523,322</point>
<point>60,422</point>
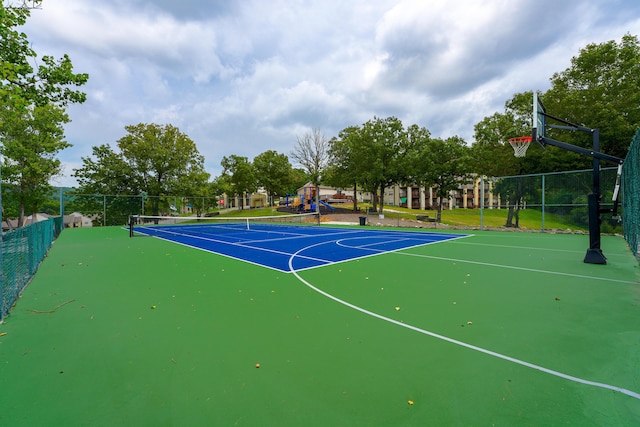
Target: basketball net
<point>520,145</point>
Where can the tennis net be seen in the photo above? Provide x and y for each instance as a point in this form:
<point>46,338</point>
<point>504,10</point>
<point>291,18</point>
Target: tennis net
<point>143,224</point>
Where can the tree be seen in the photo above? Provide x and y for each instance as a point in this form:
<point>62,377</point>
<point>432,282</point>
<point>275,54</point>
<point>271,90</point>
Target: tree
<point>387,148</point>
<point>203,197</point>
<point>273,173</point>
<point>601,89</point>
<point>33,110</point>
<point>153,159</point>
<point>107,173</point>
<point>492,154</point>
<point>20,85</point>
<point>239,176</point>
<point>311,151</point>
<point>346,166</point>
<point>443,164</point>
<point>297,178</point>
<point>165,161</point>
<point>32,139</point>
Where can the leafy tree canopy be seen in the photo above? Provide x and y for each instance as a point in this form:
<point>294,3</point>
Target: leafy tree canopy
<point>444,165</point>
<point>34,99</point>
<point>239,176</point>
<point>601,89</point>
<point>273,172</point>
<point>155,159</point>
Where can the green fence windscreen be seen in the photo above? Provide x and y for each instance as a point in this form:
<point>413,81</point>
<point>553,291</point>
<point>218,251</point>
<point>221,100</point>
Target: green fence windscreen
<point>631,195</point>
<point>23,249</point>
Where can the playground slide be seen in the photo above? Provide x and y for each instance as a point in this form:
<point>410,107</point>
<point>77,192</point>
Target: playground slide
<point>327,205</point>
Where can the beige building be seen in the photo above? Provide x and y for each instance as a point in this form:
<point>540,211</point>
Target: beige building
<point>467,196</point>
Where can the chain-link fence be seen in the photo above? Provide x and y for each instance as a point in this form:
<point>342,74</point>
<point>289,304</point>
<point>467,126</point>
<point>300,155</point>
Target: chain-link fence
<point>103,209</point>
<point>550,201</point>
<point>631,195</point>
<point>547,201</point>
<point>21,252</point>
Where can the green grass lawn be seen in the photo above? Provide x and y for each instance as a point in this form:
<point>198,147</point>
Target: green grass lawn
<point>529,219</point>
<point>253,212</point>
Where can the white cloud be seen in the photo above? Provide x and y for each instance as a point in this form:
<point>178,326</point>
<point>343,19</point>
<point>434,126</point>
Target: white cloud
<point>245,77</point>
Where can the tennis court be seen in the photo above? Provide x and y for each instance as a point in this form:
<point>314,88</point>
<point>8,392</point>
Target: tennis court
<point>288,247</point>
<point>360,326</point>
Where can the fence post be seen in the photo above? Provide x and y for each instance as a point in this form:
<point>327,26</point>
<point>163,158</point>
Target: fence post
<point>543,185</point>
<point>482,203</point>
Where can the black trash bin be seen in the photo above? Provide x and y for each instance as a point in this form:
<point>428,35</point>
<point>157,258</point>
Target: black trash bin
<point>363,220</point>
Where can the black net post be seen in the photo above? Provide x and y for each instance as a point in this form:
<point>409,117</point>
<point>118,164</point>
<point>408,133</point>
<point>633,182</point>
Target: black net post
<point>131,223</point>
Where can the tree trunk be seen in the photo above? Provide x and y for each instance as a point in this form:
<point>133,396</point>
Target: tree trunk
<point>439,213</point>
<point>509,222</point>
<point>382,187</point>
<point>355,197</point>
<point>21,215</point>
<point>514,209</point>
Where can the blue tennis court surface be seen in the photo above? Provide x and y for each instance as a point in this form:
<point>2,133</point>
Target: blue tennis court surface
<point>287,248</point>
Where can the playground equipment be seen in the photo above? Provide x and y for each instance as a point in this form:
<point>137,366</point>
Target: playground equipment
<point>305,202</point>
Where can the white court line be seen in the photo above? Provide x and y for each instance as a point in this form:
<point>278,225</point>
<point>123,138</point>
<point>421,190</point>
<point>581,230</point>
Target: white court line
<point>384,251</point>
<point>242,245</point>
<point>511,267</point>
<point>630,393</point>
<point>294,236</point>
<point>529,247</point>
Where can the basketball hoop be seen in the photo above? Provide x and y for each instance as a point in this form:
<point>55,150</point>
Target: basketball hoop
<point>520,145</point>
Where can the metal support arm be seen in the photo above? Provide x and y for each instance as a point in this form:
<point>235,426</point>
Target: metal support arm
<point>544,141</point>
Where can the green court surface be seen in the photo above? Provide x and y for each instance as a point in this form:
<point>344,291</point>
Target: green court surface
<point>496,329</point>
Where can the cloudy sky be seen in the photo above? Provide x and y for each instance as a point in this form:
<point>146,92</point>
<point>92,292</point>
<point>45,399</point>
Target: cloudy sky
<point>243,77</point>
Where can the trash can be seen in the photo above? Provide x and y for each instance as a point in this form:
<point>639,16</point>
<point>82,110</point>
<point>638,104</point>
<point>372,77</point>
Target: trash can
<point>363,220</point>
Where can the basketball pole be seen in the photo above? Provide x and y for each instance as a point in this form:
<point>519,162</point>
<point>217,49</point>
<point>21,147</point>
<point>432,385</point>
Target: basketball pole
<point>594,254</point>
